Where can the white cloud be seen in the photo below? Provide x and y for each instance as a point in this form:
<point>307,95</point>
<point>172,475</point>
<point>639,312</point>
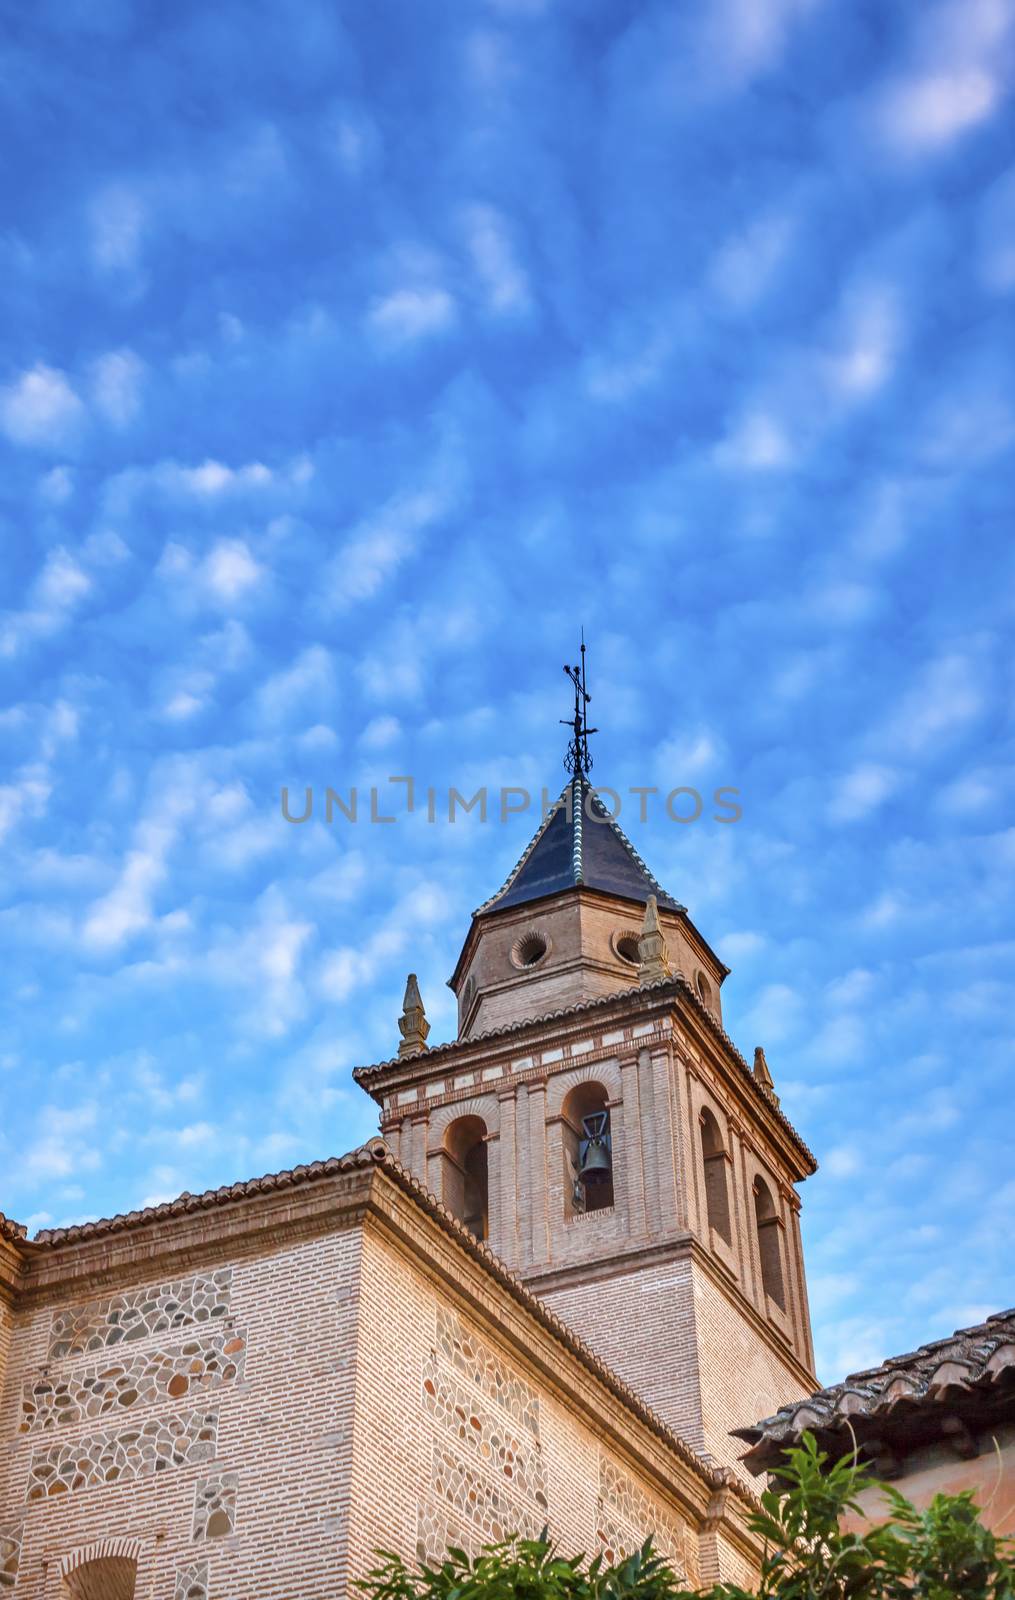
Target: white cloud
<point>745,266</point>
<point>59,588</point>
<point>757,444</point>
<point>743,38</point>
<point>380,733</point>
<point>616,377</point>
<point>924,113</point>
<point>116,386</point>
<point>493,257</point>
<point>57,485</point>
<point>311,677</point>
<point>117,220</point>
<point>230,570</point>
<point>949,697</point>
<point>40,407</point>
<point>227,573</point>
<point>63,1145</point>
<point>869,344</point>
<point>842,1161</point>
<point>408,314</point>
<point>381,542</point>
<point>61,583</point>
<point>861,791</point>
<point>213,478</point>
<point>127,908</point>
<point>775,1015</point>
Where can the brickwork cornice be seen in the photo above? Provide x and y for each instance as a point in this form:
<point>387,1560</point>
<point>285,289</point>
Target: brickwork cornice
<point>672,996</point>
<point>11,1268</point>
<point>219,1225</point>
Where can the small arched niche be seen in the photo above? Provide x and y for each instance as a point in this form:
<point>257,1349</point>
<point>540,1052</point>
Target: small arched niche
<point>767,1223</point>
<point>466,1185</point>
<point>585,1115</point>
<point>716,1160</point>
<point>106,1578</point>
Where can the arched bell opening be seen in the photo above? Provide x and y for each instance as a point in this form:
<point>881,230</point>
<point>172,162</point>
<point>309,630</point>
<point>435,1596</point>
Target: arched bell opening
<point>588,1148</point>
<point>767,1221</point>
<point>716,1159</point>
<point>466,1174</point>
<point>107,1578</point>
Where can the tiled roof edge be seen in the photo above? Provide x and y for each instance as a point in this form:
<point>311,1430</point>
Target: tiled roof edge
<point>986,1352</point>
<point>364,1155</point>
<point>11,1230</point>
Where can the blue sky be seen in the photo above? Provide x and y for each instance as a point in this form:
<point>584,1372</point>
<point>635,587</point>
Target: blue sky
<point>354,356</point>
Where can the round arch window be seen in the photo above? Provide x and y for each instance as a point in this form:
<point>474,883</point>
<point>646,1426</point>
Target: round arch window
<point>704,989</point>
<point>529,950</point>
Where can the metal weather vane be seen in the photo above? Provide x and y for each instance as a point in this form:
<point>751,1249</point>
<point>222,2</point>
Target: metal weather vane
<point>578,761</point>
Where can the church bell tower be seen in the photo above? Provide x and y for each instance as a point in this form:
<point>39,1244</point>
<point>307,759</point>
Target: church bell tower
<point>596,1126</point>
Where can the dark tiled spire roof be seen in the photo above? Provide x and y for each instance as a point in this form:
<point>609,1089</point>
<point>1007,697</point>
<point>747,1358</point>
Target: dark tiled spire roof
<point>579,845</point>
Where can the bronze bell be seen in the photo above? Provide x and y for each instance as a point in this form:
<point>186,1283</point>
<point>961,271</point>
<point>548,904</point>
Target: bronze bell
<point>594,1165</point>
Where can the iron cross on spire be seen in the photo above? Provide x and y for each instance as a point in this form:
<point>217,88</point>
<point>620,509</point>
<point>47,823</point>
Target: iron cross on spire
<point>578,761</point>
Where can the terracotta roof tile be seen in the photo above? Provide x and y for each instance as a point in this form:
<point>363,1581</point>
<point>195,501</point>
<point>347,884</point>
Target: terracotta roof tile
<point>11,1230</point>
<point>903,1401</point>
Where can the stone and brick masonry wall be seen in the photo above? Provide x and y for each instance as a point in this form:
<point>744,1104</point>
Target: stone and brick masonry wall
<point>202,1420</point>
<point>256,1428</point>
<point>465,1447</point>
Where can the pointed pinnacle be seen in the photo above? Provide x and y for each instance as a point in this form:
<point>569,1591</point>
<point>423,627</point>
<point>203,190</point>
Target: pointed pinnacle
<point>652,960</point>
<point>412,1024</point>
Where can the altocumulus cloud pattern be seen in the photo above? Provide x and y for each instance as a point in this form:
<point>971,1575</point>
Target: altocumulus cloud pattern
<point>354,355</point>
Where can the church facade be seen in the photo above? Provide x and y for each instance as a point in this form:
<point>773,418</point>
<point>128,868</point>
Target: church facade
<point>569,1266</point>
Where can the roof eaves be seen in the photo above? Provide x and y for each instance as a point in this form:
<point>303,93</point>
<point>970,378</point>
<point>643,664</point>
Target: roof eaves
<point>364,1155</point>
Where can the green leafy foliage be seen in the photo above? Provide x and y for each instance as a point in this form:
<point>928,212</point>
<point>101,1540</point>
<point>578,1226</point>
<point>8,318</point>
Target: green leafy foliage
<point>942,1553</point>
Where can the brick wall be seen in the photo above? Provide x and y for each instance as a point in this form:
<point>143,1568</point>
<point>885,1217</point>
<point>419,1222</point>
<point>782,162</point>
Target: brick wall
<point>456,1441</point>
<point>239,1484</point>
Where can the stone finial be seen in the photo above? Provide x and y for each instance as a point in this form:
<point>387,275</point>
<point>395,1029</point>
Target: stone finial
<point>652,962</point>
<point>762,1073</point>
<point>412,1024</point>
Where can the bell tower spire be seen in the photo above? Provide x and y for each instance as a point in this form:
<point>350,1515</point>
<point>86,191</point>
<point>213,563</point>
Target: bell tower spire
<point>595,1124</point>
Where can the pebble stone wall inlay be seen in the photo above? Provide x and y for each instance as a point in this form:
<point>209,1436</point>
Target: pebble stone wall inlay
<point>487,1477</point>
<point>136,1452</point>
<point>192,1581</point>
<point>140,1380</point>
<point>511,1455</point>
<point>215,1506</point>
<point>140,1312</point>
<point>627,1515</point>
<point>10,1553</point>
<point>493,1514</point>
<point>486,1370</point>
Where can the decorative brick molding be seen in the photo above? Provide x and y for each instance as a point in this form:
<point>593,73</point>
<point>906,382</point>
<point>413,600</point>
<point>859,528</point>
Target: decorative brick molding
<point>215,1506</point>
<point>138,1452</point>
<point>140,1380</point>
<point>139,1313</point>
<point>124,1549</point>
